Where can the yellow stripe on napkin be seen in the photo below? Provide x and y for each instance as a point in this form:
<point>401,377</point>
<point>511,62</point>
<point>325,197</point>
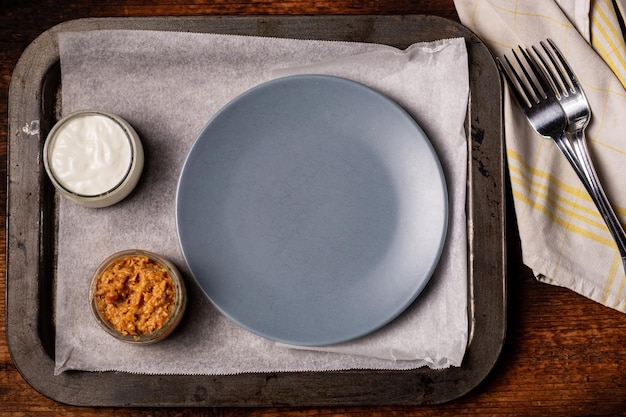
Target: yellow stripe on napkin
<point>606,37</point>
<point>569,207</point>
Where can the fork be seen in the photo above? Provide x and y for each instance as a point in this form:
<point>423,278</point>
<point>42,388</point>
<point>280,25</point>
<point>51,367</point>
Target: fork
<point>558,108</point>
<point>578,113</point>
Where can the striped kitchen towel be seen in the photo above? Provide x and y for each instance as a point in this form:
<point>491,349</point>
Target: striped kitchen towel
<point>564,239</point>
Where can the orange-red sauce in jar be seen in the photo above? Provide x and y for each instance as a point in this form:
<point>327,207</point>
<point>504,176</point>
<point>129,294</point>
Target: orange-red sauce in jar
<point>135,295</point>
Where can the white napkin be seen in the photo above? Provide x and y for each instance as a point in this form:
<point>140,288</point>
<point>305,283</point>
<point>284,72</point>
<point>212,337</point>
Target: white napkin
<point>564,239</point>
<point>168,85</point>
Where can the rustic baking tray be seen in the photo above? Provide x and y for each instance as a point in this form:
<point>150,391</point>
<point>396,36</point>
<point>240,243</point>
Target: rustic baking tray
<point>34,106</point>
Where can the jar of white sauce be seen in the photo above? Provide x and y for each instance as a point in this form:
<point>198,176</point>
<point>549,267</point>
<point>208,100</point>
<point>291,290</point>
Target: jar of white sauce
<point>93,158</point>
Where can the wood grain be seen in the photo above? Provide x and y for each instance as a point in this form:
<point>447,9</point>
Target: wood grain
<point>564,354</point>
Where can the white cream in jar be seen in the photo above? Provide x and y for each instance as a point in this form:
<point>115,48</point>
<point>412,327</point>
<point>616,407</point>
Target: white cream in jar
<point>93,158</point>
<point>90,154</point>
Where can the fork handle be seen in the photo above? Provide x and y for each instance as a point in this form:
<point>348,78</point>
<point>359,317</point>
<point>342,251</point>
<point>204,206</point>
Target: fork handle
<point>579,158</point>
<point>597,192</point>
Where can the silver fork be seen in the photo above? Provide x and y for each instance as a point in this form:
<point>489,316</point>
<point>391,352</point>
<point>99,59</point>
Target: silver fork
<point>558,108</point>
<point>578,113</point>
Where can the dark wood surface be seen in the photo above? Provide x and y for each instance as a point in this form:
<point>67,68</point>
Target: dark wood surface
<point>564,354</point>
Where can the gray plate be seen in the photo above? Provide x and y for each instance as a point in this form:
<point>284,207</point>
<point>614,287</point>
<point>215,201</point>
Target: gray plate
<point>312,210</point>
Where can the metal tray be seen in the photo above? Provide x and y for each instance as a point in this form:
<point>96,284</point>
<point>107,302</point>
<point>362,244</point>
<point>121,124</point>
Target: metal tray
<point>34,106</point>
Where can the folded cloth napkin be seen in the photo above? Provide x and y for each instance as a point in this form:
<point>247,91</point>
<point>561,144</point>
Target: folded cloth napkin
<point>564,239</point>
<point>168,85</point>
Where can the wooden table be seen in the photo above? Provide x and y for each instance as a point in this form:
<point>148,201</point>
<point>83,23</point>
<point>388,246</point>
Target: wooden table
<point>563,355</point>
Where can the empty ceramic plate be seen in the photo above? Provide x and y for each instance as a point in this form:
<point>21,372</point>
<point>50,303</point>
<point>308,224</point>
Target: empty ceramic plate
<point>312,210</point>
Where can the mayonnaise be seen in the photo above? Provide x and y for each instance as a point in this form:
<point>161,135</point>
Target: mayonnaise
<point>90,154</point>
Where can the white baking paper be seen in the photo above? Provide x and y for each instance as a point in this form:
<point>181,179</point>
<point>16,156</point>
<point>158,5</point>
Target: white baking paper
<point>168,85</point>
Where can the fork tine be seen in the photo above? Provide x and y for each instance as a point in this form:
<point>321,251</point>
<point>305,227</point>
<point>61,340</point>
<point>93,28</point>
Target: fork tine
<point>523,97</point>
<point>572,77</point>
<point>537,94</point>
<point>539,73</point>
<point>558,86</point>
